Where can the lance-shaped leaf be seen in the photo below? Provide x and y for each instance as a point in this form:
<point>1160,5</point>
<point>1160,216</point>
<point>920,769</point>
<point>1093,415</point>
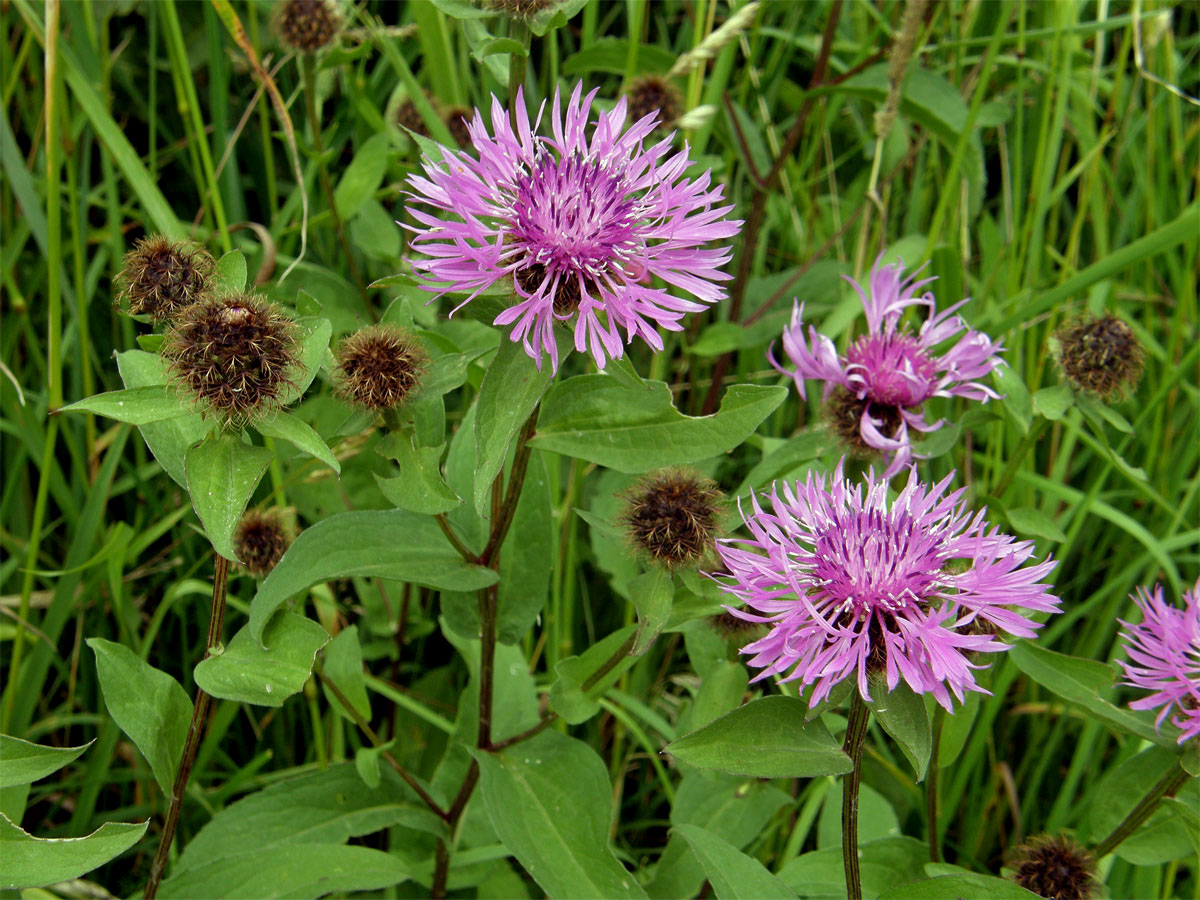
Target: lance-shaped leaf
<point>34,862</point>
<point>249,673</point>
<point>222,473</point>
<point>137,406</point>
<point>22,762</point>
<point>732,874</point>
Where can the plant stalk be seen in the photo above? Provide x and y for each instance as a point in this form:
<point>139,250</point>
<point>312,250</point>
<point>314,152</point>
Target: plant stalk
<point>856,733</point>
<point>216,620</point>
<point>1166,786</point>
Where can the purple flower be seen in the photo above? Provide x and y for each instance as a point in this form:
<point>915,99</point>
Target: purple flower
<point>888,373</point>
<point>853,585</point>
<point>1165,658</point>
<point>578,223</point>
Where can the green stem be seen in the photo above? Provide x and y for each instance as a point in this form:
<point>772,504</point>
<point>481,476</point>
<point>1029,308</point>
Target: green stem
<point>216,621</point>
<point>1014,462</point>
<point>519,32</point>
<point>856,733</point>
<point>1166,786</point>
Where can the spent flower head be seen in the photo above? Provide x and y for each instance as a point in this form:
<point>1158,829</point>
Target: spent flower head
<point>307,25</point>
<point>159,277</point>
<point>1164,654</point>
<point>881,382</point>
<point>853,586</point>
<point>654,94</point>
<point>236,354</point>
<point>577,223</point>
<point>671,516</point>
<point>379,367</point>
<point>1054,867</point>
<point>1101,356</point>
<point>261,539</point>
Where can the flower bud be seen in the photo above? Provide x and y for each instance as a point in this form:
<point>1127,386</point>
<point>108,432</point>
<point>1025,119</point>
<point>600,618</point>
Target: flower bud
<point>261,539</point>
<point>159,277</point>
<point>1100,356</point>
<point>672,516</point>
<point>379,367</point>
<point>236,354</point>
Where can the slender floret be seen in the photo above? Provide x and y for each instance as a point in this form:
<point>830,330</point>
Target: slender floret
<point>852,585</point>
<point>1164,654</point>
<point>577,223</point>
<point>880,384</point>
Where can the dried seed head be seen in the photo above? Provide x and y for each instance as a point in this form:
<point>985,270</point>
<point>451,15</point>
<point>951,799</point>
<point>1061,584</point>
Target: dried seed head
<point>236,354</point>
<point>307,25</point>
<point>379,367</point>
<point>261,539</point>
<point>159,277</point>
<point>408,117</point>
<point>672,516</point>
<point>519,9</point>
<point>456,121</point>
<point>653,93</point>
<point>1055,868</point>
<point>845,412</point>
<point>1100,356</point>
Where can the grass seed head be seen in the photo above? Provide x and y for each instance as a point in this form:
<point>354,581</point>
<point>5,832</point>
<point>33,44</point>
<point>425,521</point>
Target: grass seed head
<point>1101,357</point>
<point>1055,868</point>
<point>159,277</point>
<point>261,539</point>
<point>236,354</point>
<point>671,515</point>
<point>308,25</point>
<point>379,367</point>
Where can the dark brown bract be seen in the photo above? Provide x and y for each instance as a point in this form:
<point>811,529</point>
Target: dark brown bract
<point>456,122</point>
<point>159,277</point>
<point>236,354</point>
<point>308,25</point>
<point>261,539</point>
<point>408,117</point>
<point>1055,868</point>
<point>1100,356</point>
<point>652,93</point>
<point>672,516</point>
<point>379,367</point>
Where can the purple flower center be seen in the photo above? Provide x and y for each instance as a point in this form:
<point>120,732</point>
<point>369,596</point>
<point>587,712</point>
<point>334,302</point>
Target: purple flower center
<point>893,368</point>
<point>874,562</point>
<point>573,217</point>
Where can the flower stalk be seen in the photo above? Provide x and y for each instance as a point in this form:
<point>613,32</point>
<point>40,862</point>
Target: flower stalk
<point>856,734</point>
<point>1166,786</point>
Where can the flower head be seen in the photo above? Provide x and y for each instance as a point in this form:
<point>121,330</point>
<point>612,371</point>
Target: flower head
<point>851,584</point>
<point>576,222</point>
<point>1054,867</point>
<point>261,539</point>
<point>307,25</point>
<point>1100,356</point>
<point>379,367</point>
<point>883,379</point>
<point>671,516</point>
<point>159,277</point>
<point>1164,653</point>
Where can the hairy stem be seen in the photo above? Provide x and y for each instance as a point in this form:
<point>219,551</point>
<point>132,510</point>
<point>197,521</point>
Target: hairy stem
<point>856,733</point>
<point>1166,786</point>
<point>216,620</point>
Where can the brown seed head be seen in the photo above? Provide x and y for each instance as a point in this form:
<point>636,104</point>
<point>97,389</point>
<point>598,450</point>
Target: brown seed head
<point>519,9</point>
<point>307,25</point>
<point>159,277</point>
<point>845,412</point>
<point>379,367</point>
<point>408,117</point>
<point>672,516</point>
<point>236,354</point>
<point>653,93</point>
<point>261,539</point>
<point>1055,868</point>
<point>1100,356</point>
<point>456,121</point>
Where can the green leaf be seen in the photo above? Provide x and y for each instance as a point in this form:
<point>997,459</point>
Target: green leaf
<point>550,802</point>
<point>286,427</point>
<point>882,864</point>
<point>366,763</point>
<point>1163,837</point>
<point>567,695</point>
<point>222,473</point>
<point>1080,682</point>
<point>527,557</point>
<point>1030,522</point>
<point>249,673</point>
<point>373,543</point>
<point>293,871</point>
<point>595,417</point>
<point>783,745</point>
<point>463,9</point>
<point>940,442</point>
<point>169,439</point>
<point>1053,402</point>
<point>956,887</point>
<point>419,487</point>
<point>364,174</point>
<point>732,874</point>
<point>148,705</point>
<point>137,406</point>
<point>956,728</point>
<point>611,55</point>
<point>24,763</point>
<point>904,716</point>
<point>325,806</point>
<point>652,594</point>
<point>1016,397</point>
<point>314,344</point>
<point>34,862</point>
<point>1098,412</point>
<point>231,272</point>
<point>510,390</point>
<point>344,667</point>
<point>877,819</point>
<point>495,45</point>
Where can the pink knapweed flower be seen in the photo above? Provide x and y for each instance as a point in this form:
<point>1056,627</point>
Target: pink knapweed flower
<point>888,373</point>
<point>578,222</point>
<point>1165,658</point>
<point>853,585</point>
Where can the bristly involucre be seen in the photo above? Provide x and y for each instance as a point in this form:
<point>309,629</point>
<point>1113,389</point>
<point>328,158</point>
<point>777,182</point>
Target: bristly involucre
<point>853,586</point>
<point>379,367</point>
<point>887,374</point>
<point>577,223</point>
<point>1101,357</point>
<point>159,277</point>
<point>1054,867</point>
<point>308,25</point>
<point>671,516</point>
<point>1164,654</point>
<point>261,539</point>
